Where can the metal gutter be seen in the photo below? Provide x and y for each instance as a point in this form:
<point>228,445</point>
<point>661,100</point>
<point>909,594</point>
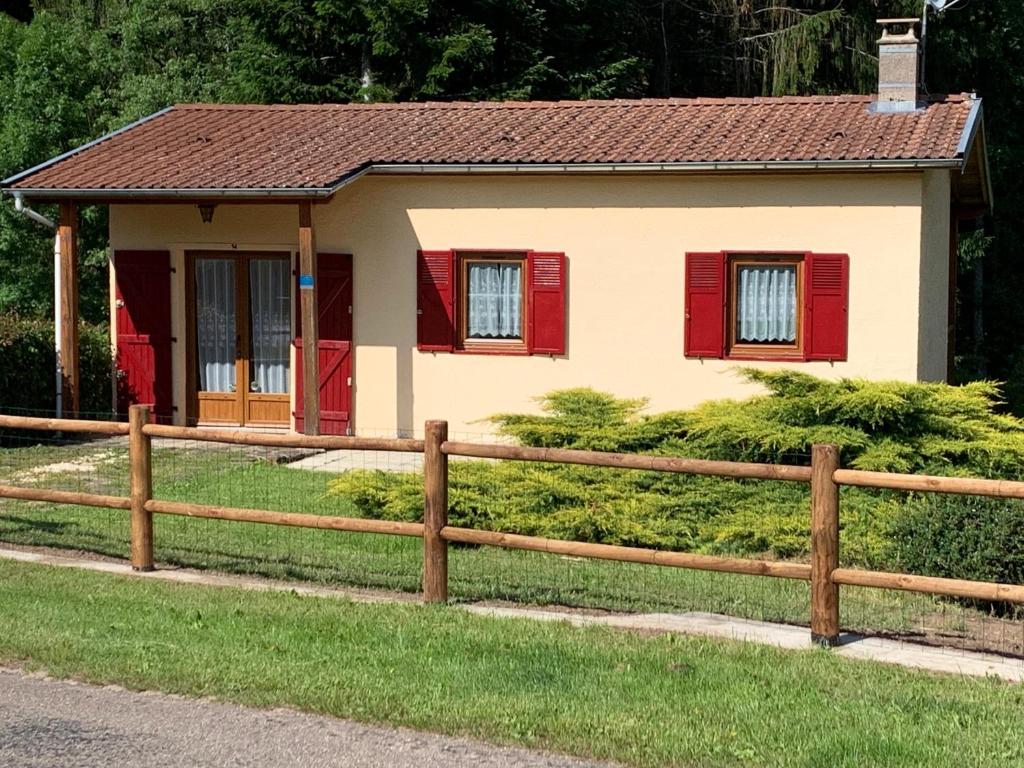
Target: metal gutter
<point>76,150</point>
<point>158,193</point>
<point>486,168</point>
<point>739,166</point>
<point>201,193</point>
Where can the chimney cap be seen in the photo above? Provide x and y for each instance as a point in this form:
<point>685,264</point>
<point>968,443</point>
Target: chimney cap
<point>891,38</point>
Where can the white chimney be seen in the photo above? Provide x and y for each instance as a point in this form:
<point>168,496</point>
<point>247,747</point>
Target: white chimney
<point>899,54</point>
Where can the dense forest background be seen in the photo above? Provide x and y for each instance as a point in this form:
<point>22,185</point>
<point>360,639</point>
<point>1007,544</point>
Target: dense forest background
<point>71,70</point>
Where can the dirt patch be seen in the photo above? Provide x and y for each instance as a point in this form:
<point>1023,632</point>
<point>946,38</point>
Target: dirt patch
<point>85,465</point>
<point>967,631</point>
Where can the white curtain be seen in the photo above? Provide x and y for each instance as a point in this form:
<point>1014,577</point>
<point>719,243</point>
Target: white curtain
<point>270,317</point>
<point>215,324</point>
<point>495,301</point>
<point>766,304</point>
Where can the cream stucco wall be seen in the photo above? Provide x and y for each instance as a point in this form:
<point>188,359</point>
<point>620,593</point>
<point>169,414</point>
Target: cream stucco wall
<point>933,325</point>
<point>624,238</point>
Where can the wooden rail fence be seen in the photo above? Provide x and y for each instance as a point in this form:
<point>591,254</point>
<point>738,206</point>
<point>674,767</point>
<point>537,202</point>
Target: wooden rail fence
<point>824,476</point>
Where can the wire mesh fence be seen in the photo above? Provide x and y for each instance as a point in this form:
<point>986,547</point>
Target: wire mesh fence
<point>390,485</point>
<point>64,463</point>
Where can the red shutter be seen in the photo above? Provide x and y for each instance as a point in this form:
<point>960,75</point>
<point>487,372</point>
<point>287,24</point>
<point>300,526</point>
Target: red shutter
<point>546,285</point>
<point>704,332</point>
<point>143,331</point>
<point>435,292</point>
<point>825,305</point>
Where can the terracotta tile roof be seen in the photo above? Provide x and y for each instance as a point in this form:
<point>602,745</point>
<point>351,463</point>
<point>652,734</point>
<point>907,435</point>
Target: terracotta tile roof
<point>248,147</point>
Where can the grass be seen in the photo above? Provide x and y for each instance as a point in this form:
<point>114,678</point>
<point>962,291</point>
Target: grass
<point>644,700</point>
<point>245,478</point>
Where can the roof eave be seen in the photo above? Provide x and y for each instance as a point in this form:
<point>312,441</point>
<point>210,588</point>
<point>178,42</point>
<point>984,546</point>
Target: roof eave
<point>64,156</point>
<point>298,193</point>
<point>974,130</point>
<point>677,167</point>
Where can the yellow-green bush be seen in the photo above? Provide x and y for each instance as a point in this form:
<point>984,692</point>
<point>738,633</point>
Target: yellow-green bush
<point>878,425</point>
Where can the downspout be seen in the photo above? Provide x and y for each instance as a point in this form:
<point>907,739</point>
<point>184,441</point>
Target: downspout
<point>20,207</point>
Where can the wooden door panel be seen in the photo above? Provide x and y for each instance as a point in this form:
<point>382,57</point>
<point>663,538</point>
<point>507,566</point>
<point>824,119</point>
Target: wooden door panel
<point>266,410</point>
<point>219,408</point>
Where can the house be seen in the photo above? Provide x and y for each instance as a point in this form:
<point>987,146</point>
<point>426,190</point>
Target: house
<point>453,260</point>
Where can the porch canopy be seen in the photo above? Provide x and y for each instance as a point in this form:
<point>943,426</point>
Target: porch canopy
<point>301,155</point>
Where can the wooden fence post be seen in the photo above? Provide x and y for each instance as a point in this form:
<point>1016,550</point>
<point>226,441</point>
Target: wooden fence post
<point>140,456</point>
<point>824,545</point>
<point>435,513</point>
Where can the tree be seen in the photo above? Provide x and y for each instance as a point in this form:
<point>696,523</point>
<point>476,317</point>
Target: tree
<point>80,68</point>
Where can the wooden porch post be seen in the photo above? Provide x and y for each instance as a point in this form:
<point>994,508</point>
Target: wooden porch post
<point>67,228</point>
<point>310,320</point>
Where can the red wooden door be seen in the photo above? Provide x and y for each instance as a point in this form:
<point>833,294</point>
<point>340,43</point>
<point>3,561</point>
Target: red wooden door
<point>143,317</point>
<point>334,294</point>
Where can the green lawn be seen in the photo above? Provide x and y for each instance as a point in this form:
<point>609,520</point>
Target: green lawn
<point>245,478</point>
<point>643,700</point>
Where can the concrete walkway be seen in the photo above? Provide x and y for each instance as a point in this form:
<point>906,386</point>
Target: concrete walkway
<point>386,461</point>
<point>64,724</point>
<point>945,660</point>
<point>343,461</point>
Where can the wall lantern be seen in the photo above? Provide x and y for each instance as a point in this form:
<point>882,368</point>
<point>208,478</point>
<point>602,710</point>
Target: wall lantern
<point>206,211</point>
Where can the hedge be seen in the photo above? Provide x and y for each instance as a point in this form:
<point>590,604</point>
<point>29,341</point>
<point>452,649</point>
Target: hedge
<point>28,360</point>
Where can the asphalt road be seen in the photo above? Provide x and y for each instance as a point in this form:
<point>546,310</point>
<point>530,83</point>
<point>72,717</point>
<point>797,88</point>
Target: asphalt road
<point>56,723</point>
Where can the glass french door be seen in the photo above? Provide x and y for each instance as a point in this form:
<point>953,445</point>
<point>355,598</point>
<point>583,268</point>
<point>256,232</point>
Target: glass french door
<point>240,331</point>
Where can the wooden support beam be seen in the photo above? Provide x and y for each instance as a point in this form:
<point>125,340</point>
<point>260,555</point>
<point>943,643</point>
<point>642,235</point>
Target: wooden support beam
<point>310,320</point>
<point>67,229</point>
<point>824,545</point>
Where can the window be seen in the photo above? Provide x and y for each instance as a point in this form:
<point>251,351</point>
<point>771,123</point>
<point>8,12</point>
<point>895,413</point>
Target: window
<point>491,302</point>
<point>763,315</point>
<point>492,294</point>
<point>764,306</point>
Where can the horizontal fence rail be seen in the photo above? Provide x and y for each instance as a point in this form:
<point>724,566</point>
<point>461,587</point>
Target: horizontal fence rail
<point>64,425</point>
<point>931,585</point>
<point>65,497</point>
<point>294,519</point>
<point>734,469</point>
<point>779,569</point>
<point>283,440</point>
<point>824,477</point>
<point>966,486</point>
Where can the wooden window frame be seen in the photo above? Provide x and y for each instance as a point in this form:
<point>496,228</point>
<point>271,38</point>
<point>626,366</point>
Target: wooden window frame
<point>463,343</point>
<point>737,350</point>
